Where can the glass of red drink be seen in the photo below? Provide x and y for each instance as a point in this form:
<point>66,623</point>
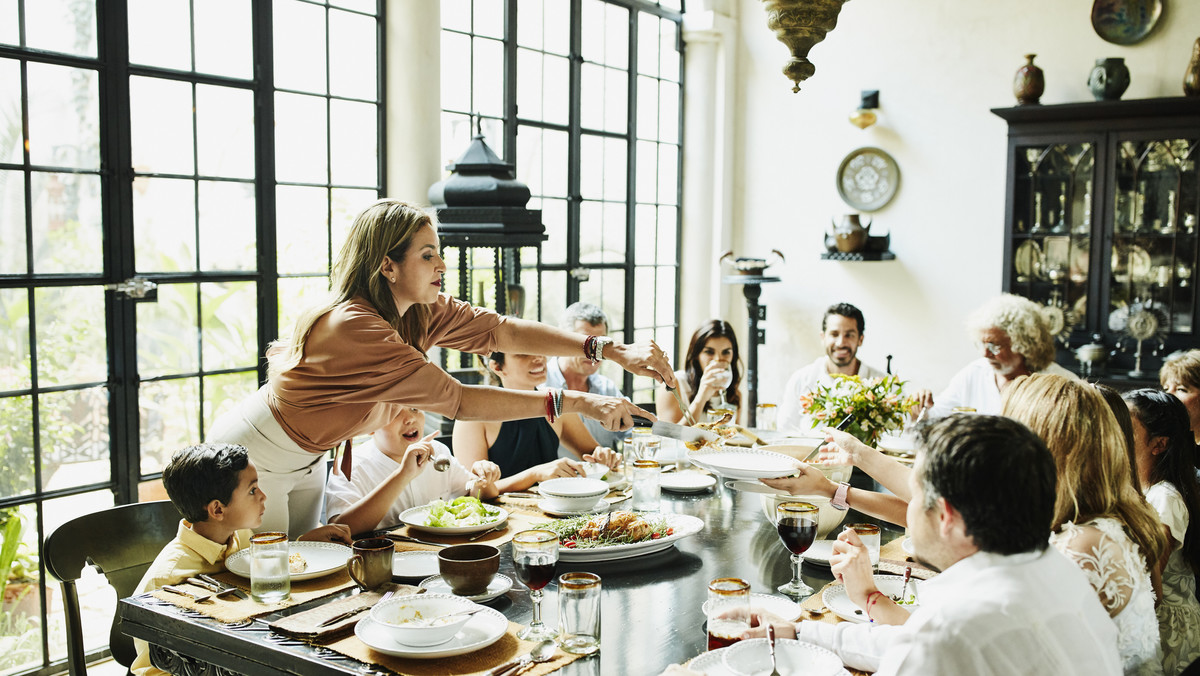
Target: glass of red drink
<point>535,553</point>
<point>727,611</point>
<point>796,523</point>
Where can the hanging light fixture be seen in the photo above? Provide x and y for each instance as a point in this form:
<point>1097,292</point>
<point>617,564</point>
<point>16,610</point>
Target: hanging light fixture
<point>865,115</point>
<point>800,24</point>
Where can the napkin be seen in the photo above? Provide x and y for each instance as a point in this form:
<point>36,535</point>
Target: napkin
<point>305,625</point>
<point>233,609</point>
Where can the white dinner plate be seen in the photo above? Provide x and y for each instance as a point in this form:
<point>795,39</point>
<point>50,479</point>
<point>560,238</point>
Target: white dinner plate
<point>417,518</point>
<point>323,558</point>
<point>601,507</point>
<point>819,552</point>
<point>777,605</point>
<point>834,597</point>
<point>498,586</point>
<point>414,564</point>
<point>684,525</point>
<point>753,657</point>
<point>686,482</point>
<point>746,463</point>
<point>483,629</point>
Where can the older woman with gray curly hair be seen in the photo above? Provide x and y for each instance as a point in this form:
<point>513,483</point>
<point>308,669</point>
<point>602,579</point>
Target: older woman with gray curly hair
<point>1013,341</point>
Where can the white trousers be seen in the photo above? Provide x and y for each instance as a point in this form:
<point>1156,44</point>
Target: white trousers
<point>292,478</point>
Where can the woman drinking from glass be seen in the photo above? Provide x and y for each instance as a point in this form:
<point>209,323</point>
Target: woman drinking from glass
<point>711,379</point>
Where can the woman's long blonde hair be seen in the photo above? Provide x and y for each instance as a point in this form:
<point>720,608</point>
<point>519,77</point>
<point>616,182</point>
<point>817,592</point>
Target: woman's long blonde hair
<point>1094,476</point>
<point>386,228</point>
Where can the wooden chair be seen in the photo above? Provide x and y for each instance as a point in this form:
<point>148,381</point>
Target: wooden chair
<point>121,542</point>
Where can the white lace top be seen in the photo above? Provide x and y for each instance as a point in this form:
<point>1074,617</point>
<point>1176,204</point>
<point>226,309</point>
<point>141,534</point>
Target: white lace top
<point>1117,571</point>
<point>1179,612</point>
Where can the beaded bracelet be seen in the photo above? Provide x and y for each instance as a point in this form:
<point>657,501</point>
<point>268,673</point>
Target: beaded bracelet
<point>871,602</point>
<point>589,348</point>
<point>550,409</point>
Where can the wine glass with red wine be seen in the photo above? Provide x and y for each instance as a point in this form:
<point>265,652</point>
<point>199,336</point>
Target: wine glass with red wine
<point>796,523</point>
<point>535,553</point>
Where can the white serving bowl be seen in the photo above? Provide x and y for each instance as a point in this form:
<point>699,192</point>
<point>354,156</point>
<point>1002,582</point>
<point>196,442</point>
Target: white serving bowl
<point>801,448</point>
<point>573,494</point>
<point>398,613</point>
<point>828,516</point>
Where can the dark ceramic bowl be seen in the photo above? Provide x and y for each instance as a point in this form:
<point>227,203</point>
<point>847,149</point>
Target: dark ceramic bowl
<point>468,569</point>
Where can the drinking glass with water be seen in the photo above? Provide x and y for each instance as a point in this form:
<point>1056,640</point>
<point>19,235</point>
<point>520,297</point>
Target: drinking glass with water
<point>270,575</point>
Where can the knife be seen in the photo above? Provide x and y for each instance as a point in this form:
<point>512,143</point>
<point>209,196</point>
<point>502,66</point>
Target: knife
<point>687,415</point>
<point>675,431</point>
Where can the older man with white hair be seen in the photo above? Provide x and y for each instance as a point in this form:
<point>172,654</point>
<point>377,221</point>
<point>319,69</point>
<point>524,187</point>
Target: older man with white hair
<point>582,374</point>
<point>1013,340</point>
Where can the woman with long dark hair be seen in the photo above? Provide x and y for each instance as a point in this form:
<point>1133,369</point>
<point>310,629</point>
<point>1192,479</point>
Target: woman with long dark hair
<point>712,368</point>
<point>1163,446</point>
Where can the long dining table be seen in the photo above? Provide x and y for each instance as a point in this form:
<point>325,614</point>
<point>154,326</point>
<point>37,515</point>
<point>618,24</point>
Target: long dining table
<point>651,613</point>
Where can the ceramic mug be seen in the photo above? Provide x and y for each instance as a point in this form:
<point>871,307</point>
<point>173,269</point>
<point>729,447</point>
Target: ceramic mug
<point>371,564</point>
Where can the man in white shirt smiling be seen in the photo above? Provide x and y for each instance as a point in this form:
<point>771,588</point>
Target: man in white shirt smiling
<point>1006,603</point>
<point>842,330</point>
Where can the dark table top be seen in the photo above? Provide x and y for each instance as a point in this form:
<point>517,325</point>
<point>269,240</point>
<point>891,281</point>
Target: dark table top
<point>651,608</point>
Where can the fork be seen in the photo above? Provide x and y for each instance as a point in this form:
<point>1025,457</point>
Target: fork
<point>493,529</point>
<point>351,613</point>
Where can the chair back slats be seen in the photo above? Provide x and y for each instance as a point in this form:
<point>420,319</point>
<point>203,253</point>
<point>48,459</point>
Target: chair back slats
<point>122,542</point>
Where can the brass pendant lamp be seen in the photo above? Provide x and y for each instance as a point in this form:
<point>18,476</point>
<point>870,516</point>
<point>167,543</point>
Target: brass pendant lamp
<point>800,24</point>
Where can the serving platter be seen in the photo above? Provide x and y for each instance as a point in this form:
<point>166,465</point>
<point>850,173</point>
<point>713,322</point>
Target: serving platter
<point>745,463</point>
<point>683,524</point>
<point>417,518</point>
<point>484,628</point>
<point>323,558</point>
<point>835,598</point>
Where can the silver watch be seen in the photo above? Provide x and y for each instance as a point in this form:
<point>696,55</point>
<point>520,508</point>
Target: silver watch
<point>601,343</point>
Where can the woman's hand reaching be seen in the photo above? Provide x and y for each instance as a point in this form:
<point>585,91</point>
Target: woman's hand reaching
<point>643,359</point>
<point>614,413</point>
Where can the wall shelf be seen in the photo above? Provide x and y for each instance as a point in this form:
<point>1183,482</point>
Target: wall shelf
<point>858,256</point>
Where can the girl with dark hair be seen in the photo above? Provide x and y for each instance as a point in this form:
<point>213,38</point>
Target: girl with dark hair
<point>712,368</point>
<point>1163,442</point>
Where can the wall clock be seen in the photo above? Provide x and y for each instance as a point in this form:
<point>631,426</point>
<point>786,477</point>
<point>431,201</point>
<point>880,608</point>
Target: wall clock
<point>868,179</point>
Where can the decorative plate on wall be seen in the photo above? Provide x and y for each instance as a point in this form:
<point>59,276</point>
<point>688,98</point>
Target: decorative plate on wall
<point>1125,22</point>
<point>868,179</point>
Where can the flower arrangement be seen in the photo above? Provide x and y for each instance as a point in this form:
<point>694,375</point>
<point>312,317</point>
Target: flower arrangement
<point>875,405</point>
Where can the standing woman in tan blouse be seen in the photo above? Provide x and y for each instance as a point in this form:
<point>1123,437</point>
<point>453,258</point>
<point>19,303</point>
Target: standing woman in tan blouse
<point>353,362</point>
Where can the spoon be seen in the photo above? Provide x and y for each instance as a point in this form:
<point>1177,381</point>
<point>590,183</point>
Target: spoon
<point>428,621</point>
<point>771,647</point>
<point>542,652</point>
<point>441,464</point>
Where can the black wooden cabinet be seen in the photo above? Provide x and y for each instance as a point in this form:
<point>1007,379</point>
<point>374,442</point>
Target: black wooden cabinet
<point>1101,226</point>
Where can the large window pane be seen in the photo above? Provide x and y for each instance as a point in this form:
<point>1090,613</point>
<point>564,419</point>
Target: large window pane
<point>456,69</point>
<point>487,81</point>
<point>161,112</point>
<point>164,224</point>
<point>353,143</point>
<point>9,25</point>
<point>11,148</point>
<point>70,335</point>
<point>169,419</point>
<point>160,33</point>
<point>229,322</point>
<point>225,131</point>
<point>15,373</point>
<point>352,50</point>
<point>167,332</point>
<point>74,438</point>
<point>224,44</point>
<point>67,233</point>
<point>227,230</point>
<point>302,230</point>
<point>13,259</point>
<point>64,116</point>
<point>297,295</point>
<point>222,393</point>
<point>16,424</point>
<point>301,127</point>
<point>300,46</point>
<point>64,26</point>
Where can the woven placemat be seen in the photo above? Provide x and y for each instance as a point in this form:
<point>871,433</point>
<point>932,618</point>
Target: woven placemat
<point>306,625</point>
<point>508,648</point>
<point>231,608</point>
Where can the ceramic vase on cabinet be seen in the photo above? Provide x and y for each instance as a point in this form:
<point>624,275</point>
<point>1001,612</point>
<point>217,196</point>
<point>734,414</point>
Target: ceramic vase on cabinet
<point>1109,79</point>
<point>1029,82</point>
<point>1191,78</point>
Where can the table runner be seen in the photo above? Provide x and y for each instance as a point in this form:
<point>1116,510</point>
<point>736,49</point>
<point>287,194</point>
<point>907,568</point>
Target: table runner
<point>508,648</point>
<point>231,608</point>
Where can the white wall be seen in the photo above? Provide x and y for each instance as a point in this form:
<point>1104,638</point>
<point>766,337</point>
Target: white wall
<point>940,65</point>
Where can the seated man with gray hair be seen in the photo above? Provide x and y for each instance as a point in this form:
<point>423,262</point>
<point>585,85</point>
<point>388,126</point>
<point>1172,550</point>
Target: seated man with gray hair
<point>1013,340</point>
<point>582,374</point>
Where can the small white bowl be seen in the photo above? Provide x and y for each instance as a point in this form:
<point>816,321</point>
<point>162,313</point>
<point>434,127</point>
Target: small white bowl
<point>574,494</point>
<point>398,613</point>
<point>752,657</point>
<point>594,470</point>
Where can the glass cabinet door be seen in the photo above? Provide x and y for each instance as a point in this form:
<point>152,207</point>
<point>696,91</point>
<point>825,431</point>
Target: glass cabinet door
<point>1052,230</point>
<point>1155,207</point>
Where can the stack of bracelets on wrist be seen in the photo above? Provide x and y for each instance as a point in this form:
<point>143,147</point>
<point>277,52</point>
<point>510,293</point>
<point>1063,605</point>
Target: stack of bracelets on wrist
<point>871,599</point>
<point>554,404</point>
<point>593,347</point>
